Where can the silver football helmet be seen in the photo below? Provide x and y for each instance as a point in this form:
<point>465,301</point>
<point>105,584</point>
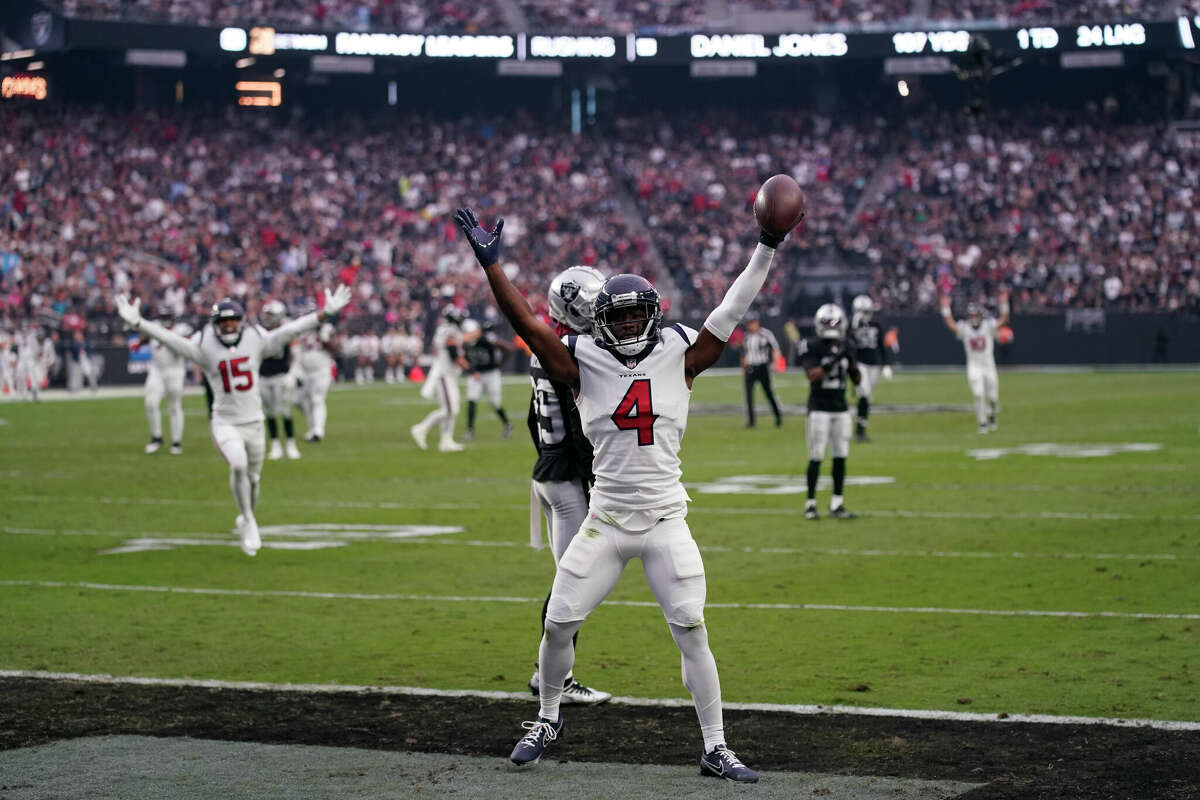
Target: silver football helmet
<point>572,297</point>
<point>863,307</point>
<point>830,321</point>
<point>273,314</point>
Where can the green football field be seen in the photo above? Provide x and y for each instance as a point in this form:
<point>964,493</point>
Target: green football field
<point>1056,572</point>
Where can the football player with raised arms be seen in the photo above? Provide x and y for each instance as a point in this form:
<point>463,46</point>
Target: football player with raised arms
<point>866,337</point>
<point>278,387</point>
<point>829,364</point>
<point>632,382</point>
<point>230,354</point>
<point>164,378</point>
<point>978,336</point>
<point>562,475</point>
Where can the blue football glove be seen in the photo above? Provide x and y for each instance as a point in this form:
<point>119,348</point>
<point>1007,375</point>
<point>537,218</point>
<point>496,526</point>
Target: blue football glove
<point>486,245</point>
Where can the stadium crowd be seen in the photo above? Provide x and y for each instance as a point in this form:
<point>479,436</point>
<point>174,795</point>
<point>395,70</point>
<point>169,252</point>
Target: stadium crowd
<point>188,208</point>
<point>620,16</point>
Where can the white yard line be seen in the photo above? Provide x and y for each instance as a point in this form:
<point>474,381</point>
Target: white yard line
<point>694,509</point>
<point>784,708</point>
<point>990,612</point>
<point>819,551</point>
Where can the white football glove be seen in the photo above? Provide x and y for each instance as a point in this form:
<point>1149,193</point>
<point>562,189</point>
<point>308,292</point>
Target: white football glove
<point>887,372</point>
<point>336,300</point>
<point>130,313</point>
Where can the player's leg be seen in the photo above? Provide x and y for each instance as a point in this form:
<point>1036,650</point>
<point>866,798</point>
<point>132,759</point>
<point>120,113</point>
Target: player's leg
<point>768,384</point>
<point>675,573</point>
<point>975,379</point>
<point>448,396</point>
<point>992,391</point>
<point>492,385</point>
<point>748,380</point>
<point>839,448</point>
<point>866,388</point>
<point>320,410</point>
<point>474,392</point>
<point>587,572</point>
<point>174,386</point>
<point>232,447</point>
<point>256,448</point>
<point>154,391</point>
<point>565,505</point>
<point>816,432</point>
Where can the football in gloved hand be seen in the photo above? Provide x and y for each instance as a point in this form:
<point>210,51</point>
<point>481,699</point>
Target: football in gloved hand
<point>779,205</point>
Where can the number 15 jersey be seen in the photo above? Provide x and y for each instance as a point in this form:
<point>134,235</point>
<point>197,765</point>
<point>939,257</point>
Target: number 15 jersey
<point>634,412</point>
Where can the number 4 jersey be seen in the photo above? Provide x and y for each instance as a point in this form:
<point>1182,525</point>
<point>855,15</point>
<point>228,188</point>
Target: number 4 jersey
<point>634,412</point>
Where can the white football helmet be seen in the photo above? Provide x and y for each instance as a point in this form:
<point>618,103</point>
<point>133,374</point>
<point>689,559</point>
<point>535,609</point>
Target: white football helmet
<point>830,321</point>
<point>572,297</point>
<point>273,314</point>
<point>863,307</point>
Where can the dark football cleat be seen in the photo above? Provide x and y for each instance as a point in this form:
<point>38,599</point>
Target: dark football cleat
<point>533,744</point>
<point>721,762</point>
<point>841,512</point>
<point>810,512</point>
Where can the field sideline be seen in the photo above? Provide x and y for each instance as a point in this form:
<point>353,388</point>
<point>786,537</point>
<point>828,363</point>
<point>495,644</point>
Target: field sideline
<point>1047,569</point>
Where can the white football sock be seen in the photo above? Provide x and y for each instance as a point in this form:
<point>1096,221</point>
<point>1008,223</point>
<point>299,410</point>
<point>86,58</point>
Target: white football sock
<point>701,679</point>
<point>556,657</point>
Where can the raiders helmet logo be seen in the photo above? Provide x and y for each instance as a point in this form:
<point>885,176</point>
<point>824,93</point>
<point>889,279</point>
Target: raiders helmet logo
<point>569,291</point>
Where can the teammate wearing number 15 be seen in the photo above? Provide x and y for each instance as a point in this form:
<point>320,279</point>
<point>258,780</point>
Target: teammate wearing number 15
<point>230,354</point>
<point>632,382</point>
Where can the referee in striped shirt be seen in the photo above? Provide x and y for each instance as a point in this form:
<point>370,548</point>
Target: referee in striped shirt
<point>760,350</point>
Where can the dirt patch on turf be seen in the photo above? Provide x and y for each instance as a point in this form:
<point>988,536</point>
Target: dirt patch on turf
<point>1016,760</point>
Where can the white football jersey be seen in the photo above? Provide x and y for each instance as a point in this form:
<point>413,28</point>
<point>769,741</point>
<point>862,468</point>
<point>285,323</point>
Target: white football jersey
<point>232,370</point>
<point>163,358</point>
<point>443,364</point>
<point>979,343</point>
<point>314,355</point>
<point>635,414</point>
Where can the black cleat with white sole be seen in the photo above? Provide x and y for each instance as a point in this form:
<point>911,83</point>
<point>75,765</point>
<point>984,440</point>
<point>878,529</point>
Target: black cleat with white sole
<point>721,762</point>
<point>533,744</point>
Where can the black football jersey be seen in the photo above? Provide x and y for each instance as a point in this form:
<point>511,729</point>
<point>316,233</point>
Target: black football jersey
<point>564,453</point>
<point>483,354</point>
<point>277,364</point>
<point>836,357</point>
<point>867,340</point>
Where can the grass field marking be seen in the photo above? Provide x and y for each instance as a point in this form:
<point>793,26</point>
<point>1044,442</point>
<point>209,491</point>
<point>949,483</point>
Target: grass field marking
<point>150,536</point>
<point>991,612</point>
<point>666,702</point>
<point>780,512</point>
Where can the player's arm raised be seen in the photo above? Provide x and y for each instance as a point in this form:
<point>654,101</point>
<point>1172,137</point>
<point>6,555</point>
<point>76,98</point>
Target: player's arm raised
<point>131,314</point>
<point>948,316</point>
<point>550,350</point>
<point>1003,309</point>
<point>335,301</point>
<point>725,317</point>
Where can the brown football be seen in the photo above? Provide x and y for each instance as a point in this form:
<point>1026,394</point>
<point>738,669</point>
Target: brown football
<point>779,205</point>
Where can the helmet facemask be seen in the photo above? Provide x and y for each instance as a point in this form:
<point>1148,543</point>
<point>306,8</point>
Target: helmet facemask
<point>628,327</point>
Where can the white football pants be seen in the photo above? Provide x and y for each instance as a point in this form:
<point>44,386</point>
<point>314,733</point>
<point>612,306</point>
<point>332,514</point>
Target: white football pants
<point>243,446</point>
<point>565,505</point>
<point>169,384</point>
<point>828,428</point>
<point>985,387</point>
<point>312,400</point>
<point>485,382</point>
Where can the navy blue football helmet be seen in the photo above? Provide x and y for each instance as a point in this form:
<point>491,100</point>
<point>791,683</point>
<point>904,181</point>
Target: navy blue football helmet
<point>228,310</point>
<point>619,294</point>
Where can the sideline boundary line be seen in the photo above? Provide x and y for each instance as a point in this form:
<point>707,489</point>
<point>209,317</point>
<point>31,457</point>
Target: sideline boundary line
<point>798,709</point>
<point>985,612</point>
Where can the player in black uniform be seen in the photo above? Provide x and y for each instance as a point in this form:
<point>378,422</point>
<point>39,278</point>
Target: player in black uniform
<point>562,476</point>
<point>485,353</point>
<point>866,338</point>
<point>829,362</point>
<point>278,387</point>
